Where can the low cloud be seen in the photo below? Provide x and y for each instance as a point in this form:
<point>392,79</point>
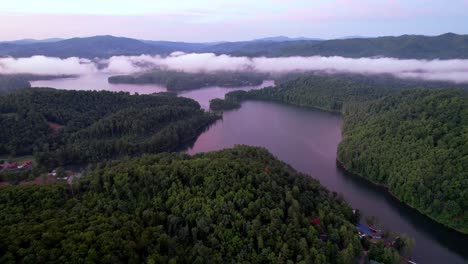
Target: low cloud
<point>455,70</point>
<point>42,65</point>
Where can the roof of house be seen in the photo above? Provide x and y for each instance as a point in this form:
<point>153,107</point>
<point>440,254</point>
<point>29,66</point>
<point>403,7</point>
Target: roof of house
<point>364,229</point>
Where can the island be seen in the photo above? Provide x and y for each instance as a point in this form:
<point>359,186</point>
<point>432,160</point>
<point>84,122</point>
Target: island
<point>222,105</point>
<point>180,80</point>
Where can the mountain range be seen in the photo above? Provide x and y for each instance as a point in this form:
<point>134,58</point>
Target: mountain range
<point>446,46</point>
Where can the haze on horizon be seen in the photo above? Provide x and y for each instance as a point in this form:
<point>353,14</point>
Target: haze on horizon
<point>209,20</point>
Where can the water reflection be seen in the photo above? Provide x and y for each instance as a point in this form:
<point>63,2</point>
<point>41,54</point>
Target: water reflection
<point>98,82</point>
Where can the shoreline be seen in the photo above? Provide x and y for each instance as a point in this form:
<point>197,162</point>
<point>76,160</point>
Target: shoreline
<point>387,191</point>
<point>349,172</point>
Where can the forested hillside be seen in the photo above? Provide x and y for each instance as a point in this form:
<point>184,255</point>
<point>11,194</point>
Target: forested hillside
<point>415,143</point>
<point>178,80</point>
<point>63,127</point>
<point>446,46</point>
<point>328,91</point>
<point>90,47</point>
<point>331,91</point>
<point>232,206</point>
<point>221,105</point>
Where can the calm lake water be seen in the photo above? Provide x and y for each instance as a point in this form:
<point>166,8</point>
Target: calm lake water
<point>307,139</point>
<point>99,82</point>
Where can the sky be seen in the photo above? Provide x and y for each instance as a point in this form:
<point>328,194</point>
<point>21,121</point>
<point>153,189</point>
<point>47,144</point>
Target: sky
<point>229,20</point>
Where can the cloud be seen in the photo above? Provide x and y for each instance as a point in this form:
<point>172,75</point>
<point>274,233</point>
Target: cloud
<point>42,65</point>
<point>455,70</point>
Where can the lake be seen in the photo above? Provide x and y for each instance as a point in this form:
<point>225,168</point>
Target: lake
<point>99,82</point>
<point>307,139</point>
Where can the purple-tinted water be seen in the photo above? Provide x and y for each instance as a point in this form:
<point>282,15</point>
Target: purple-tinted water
<point>97,82</point>
<point>204,95</point>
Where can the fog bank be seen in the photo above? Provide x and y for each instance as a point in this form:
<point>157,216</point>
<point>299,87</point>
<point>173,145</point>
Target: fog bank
<point>455,70</point>
<point>42,65</point>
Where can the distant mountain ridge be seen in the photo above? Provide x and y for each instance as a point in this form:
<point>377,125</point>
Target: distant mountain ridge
<point>446,46</point>
<point>98,46</point>
<point>283,38</point>
<point>30,41</point>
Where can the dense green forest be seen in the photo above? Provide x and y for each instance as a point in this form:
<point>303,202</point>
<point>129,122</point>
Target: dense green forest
<point>72,127</point>
<point>327,92</point>
<point>221,105</point>
<point>413,141</point>
<point>178,80</point>
<point>238,205</point>
<point>331,91</point>
<point>416,143</point>
<point>12,82</point>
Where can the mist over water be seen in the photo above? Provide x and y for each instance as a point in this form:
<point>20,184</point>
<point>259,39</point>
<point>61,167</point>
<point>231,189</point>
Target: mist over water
<point>454,70</point>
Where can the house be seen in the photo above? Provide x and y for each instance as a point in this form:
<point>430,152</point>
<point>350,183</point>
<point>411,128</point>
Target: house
<point>363,230</point>
<point>13,165</point>
<point>25,164</point>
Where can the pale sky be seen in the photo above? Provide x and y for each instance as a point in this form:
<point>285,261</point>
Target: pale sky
<point>209,20</point>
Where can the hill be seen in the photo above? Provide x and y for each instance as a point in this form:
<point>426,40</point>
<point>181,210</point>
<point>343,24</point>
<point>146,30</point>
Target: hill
<point>178,80</point>
<point>99,46</point>
<point>331,92</point>
<point>446,46</point>
<point>416,144</point>
<point>255,48</point>
<point>78,127</point>
<point>30,41</point>
<point>239,205</point>
<point>179,46</point>
<point>282,38</point>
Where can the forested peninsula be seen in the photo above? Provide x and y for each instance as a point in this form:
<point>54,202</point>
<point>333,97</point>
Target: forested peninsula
<point>179,80</point>
<point>416,144</point>
<point>413,141</point>
<point>78,127</point>
<point>231,206</point>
